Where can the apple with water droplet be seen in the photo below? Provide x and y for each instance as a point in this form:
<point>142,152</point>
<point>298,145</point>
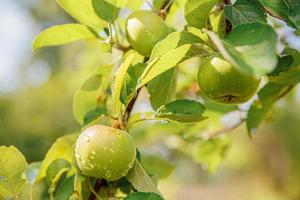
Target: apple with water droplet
<point>105,152</point>
<point>221,82</point>
<point>144,29</point>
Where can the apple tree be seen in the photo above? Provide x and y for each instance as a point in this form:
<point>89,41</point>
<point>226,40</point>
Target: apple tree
<point>194,61</point>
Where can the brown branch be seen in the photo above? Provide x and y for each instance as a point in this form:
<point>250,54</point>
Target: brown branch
<point>288,89</point>
<point>99,183</point>
<point>165,8</point>
<point>211,134</point>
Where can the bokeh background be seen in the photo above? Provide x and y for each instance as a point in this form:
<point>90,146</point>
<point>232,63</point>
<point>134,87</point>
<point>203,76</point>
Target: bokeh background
<point>36,92</point>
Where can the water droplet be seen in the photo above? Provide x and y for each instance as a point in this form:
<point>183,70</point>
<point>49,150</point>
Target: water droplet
<point>87,138</point>
<point>93,153</point>
<point>258,104</point>
<point>130,165</point>
<point>111,150</point>
<point>108,173</point>
<point>2,178</point>
<point>119,135</point>
<point>51,190</point>
<point>204,166</point>
<point>165,121</point>
<point>83,162</point>
<point>92,157</point>
<point>253,130</point>
<point>91,166</point>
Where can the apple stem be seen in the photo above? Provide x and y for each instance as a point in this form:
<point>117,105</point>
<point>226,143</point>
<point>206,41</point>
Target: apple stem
<point>228,24</point>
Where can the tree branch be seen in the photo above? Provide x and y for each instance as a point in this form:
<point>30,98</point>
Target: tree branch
<point>165,8</point>
<point>211,134</point>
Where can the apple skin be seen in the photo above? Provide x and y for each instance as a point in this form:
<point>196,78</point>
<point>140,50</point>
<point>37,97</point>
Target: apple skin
<point>105,152</point>
<point>144,29</point>
<point>222,83</point>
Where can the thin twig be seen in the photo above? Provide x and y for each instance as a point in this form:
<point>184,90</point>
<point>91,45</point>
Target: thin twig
<point>211,134</point>
<point>165,8</point>
<point>95,189</point>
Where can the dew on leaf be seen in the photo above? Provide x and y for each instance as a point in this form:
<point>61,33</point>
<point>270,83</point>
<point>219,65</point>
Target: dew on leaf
<point>2,178</point>
<point>87,138</point>
<point>108,173</point>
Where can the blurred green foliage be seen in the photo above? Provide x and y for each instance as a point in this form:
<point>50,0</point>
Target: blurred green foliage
<point>266,167</point>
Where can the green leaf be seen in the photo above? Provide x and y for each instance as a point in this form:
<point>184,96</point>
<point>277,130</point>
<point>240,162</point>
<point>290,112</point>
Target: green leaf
<point>83,12</point>
<point>118,83</point>
<point>245,12</point>
<point>155,164</point>
<point>12,169</point>
<point>107,9</point>
<point>143,195</point>
<point>89,99</point>
<point>290,77</point>
<point>197,12</point>
<point>284,63</point>
<point>162,88</point>
<point>259,109</point>
<point>172,41</point>
<point>62,148</point>
<point>56,169</point>
<point>168,53</point>
<point>294,14</point>
<point>210,153</point>
<point>251,48</point>
<point>62,34</point>
<point>168,61</point>
<point>276,8</point>
<point>182,110</point>
<point>288,70</point>
<point>140,180</point>
<point>130,82</point>
<point>65,188</point>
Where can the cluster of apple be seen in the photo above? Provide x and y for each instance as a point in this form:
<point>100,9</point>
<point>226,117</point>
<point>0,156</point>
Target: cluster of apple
<point>109,153</point>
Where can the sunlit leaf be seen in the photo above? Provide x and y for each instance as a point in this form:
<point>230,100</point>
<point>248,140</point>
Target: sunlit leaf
<point>12,169</point>
<point>62,148</point>
<point>117,86</point>
<point>140,180</point>
<point>62,34</point>
<point>251,48</point>
<point>197,12</point>
<point>83,12</point>
<point>89,99</point>
<point>107,10</point>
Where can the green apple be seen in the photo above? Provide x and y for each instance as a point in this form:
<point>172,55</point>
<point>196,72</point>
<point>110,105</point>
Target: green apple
<point>144,29</point>
<point>221,82</point>
<point>105,152</point>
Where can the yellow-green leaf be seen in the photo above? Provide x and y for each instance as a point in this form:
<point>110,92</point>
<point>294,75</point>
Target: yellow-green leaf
<point>83,12</point>
<point>62,34</point>
<point>12,172</point>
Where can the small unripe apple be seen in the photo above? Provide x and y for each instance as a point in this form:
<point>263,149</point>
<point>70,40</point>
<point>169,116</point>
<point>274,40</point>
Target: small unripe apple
<point>105,152</point>
<point>221,82</point>
<point>144,29</point>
